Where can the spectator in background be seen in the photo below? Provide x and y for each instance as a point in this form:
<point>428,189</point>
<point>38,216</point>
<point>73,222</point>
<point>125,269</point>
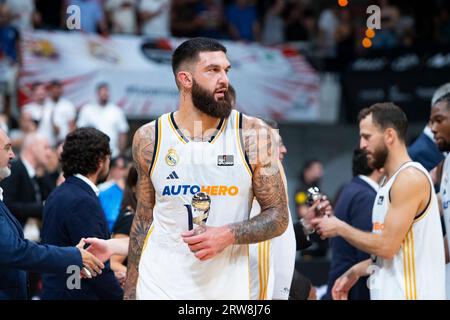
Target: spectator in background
<point>38,97</point>
<point>51,14</point>
<point>387,37</point>
<point>311,176</point>
<point>111,191</point>
<point>273,27</point>
<point>345,38</point>
<point>106,117</point>
<point>122,226</point>
<point>354,207</point>
<point>328,23</point>
<point>93,18</point>
<point>22,190</point>
<point>122,15</point>
<point>300,23</point>
<point>22,14</point>
<point>9,65</point>
<point>26,126</point>
<point>182,18</point>
<point>155,17</point>
<point>58,116</point>
<point>243,23</point>
<point>210,19</point>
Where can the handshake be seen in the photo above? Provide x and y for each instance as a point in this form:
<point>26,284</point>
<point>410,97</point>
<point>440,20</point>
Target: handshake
<point>319,215</point>
<point>98,252</point>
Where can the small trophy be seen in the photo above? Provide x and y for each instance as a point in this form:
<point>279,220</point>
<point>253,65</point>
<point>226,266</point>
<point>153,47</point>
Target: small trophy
<point>201,202</point>
<point>313,195</point>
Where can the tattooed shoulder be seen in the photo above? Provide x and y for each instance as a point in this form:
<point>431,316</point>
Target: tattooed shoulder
<point>143,146</point>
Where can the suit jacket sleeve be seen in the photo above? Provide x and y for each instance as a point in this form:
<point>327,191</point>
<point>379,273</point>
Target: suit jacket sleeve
<point>16,252</point>
<point>88,210</point>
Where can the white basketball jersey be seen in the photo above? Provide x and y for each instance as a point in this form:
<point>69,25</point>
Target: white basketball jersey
<point>180,169</point>
<point>445,196</point>
<point>261,265</point>
<point>272,262</point>
<point>417,271</point>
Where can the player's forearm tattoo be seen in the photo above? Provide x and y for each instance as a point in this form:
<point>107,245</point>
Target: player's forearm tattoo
<point>269,189</point>
<point>143,146</point>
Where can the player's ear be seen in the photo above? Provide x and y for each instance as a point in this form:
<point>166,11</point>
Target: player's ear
<point>184,78</point>
<point>389,135</point>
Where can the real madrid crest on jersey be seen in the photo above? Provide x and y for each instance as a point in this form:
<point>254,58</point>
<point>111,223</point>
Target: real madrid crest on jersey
<point>172,157</point>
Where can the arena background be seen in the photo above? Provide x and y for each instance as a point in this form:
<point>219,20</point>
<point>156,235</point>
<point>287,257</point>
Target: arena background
<point>330,75</point>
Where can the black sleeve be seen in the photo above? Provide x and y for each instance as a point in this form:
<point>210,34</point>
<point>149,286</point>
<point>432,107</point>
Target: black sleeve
<point>123,223</point>
<point>300,237</point>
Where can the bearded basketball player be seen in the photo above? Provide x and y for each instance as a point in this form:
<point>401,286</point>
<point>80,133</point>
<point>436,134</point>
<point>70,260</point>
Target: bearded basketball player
<point>406,241</point>
<point>203,147</point>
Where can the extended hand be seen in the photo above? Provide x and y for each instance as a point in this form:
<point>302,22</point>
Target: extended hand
<point>93,265</point>
<point>209,243</point>
<point>326,227</point>
<point>319,208</point>
<point>343,284</point>
<point>99,248</point>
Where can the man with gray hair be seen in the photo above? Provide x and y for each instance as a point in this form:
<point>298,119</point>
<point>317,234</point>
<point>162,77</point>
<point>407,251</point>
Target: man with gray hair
<point>18,255</point>
<point>424,149</point>
<point>24,193</point>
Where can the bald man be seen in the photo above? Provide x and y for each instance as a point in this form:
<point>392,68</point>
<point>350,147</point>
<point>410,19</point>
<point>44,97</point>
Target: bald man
<point>24,193</point>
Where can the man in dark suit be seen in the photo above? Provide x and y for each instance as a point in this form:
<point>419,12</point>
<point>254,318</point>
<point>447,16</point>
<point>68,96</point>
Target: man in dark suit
<point>24,192</point>
<point>18,255</point>
<point>354,206</point>
<point>73,211</point>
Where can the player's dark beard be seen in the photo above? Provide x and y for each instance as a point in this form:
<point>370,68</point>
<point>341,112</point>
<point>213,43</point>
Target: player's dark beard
<point>205,102</point>
<point>379,158</point>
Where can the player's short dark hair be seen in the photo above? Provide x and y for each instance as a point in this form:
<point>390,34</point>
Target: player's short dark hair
<point>360,164</point>
<point>83,149</point>
<point>387,115</point>
<point>188,51</point>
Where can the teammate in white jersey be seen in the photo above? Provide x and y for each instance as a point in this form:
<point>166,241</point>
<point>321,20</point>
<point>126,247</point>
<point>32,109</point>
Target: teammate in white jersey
<point>406,242</point>
<point>272,262</point>
<point>207,262</point>
<point>440,126</point>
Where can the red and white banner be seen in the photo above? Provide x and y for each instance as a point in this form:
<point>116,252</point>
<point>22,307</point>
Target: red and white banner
<point>270,82</point>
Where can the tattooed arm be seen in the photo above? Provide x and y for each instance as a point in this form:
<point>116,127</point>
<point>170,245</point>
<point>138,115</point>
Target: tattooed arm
<point>269,190</point>
<point>143,146</point>
<point>261,146</point>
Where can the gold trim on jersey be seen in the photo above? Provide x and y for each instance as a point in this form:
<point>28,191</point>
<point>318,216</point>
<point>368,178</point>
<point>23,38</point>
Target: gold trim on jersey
<point>240,147</point>
<point>222,129</point>
<point>409,266</point>
<point>427,211</point>
<point>249,273</point>
<point>175,130</point>
<point>158,146</point>
<point>263,268</point>
<point>146,238</point>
